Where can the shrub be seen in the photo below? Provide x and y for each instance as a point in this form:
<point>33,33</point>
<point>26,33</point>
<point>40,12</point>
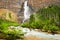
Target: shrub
<point>25,24</point>
<point>11,34</point>
<point>14,34</point>
<point>53,28</point>
<point>6,23</point>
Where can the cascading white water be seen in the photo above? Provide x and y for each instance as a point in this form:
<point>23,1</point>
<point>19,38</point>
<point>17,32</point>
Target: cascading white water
<point>26,11</point>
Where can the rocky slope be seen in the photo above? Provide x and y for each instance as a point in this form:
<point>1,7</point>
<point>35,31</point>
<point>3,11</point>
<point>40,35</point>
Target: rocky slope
<point>8,15</point>
<point>42,3</point>
<point>17,5</point>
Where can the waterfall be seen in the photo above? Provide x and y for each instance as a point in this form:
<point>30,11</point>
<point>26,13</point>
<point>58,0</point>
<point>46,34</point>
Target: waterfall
<point>26,11</point>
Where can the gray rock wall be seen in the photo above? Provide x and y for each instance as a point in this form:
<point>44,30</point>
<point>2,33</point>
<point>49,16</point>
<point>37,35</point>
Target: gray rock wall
<point>17,7</point>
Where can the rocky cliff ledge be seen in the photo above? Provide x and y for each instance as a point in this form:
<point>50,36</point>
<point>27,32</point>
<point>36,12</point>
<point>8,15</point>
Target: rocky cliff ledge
<point>16,5</point>
<point>42,3</point>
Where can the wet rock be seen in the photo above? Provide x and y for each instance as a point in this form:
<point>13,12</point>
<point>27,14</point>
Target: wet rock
<point>26,30</point>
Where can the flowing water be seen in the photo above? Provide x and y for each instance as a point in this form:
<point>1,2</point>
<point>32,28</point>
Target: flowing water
<point>36,33</point>
<point>26,11</point>
<point>32,32</point>
<point>43,35</point>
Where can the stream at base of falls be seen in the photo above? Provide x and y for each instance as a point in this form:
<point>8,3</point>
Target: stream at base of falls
<point>43,35</point>
<point>40,34</point>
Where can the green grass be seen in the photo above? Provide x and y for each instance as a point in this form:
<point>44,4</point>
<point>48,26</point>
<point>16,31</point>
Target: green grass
<point>5,23</point>
<point>9,34</point>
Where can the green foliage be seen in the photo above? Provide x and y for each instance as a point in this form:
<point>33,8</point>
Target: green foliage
<point>14,34</point>
<point>45,18</point>
<point>10,34</point>
<point>50,27</point>
<point>4,24</point>
<point>25,24</point>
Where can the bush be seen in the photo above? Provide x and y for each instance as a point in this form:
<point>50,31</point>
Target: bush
<point>14,34</point>
<point>25,24</point>
<point>5,23</point>
<point>10,34</point>
<point>51,28</point>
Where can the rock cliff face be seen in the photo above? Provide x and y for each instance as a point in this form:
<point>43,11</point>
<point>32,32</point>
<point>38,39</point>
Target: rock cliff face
<point>17,5</point>
<point>41,3</point>
<point>13,5</point>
